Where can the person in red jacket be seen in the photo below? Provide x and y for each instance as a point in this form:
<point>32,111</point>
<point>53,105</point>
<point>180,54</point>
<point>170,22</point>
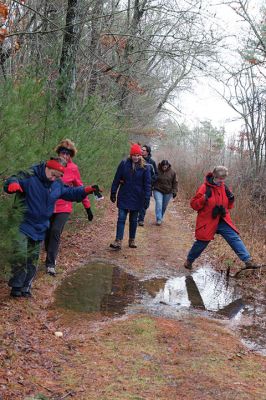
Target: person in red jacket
<point>213,201</point>
<point>66,150</point>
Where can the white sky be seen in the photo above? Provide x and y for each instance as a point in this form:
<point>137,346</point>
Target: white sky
<point>203,103</point>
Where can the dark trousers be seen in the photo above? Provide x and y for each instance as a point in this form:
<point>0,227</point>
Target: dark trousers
<point>141,215</point>
<point>133,222</point>
<point>24,263</point>
<point>52,239</point>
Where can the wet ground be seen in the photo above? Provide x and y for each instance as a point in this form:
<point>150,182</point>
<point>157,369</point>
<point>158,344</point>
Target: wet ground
<point>107,289</point>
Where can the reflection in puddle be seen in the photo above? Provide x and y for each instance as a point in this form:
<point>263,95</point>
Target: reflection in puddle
<point>107,289</point>
<point>203,289</point>
<point>98,288</point>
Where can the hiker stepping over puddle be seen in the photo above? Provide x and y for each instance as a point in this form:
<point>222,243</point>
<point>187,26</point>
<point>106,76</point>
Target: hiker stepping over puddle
<point>213,201</point>
<point>133,183</point>
<point>165,189</point>
<point>37,190</point>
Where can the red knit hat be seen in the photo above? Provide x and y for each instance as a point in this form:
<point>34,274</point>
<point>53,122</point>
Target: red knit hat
<point>135,150</point>
<point>53,164</point>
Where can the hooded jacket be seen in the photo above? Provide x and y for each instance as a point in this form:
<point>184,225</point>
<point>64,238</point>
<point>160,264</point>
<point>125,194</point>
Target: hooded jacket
<point>39,197</point>
<point>70,178</point>
<point>166,182</point>
<point>134,185</point>
<point>206,225</point>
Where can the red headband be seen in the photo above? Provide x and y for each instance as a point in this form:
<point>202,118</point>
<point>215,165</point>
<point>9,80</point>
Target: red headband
<point>53,164</point>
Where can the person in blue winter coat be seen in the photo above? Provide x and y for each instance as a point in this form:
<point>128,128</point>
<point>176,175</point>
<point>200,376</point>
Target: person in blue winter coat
<point>133,183</point>
<point>37,190</point>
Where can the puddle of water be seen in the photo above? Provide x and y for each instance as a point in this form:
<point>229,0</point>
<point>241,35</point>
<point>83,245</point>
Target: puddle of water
<point>106,289</point>
<point>98,287</point>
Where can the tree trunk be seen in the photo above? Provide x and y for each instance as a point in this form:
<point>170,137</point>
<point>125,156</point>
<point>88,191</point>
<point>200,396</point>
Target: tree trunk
<point>67,68</point>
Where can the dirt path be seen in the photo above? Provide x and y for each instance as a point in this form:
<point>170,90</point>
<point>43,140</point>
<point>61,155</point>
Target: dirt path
<point>138,357</point>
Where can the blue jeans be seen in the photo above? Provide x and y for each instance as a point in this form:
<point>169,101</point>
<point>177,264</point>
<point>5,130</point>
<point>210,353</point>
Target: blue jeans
<point>133,222</point>
<point>232,238</point>
<point>161,203</point>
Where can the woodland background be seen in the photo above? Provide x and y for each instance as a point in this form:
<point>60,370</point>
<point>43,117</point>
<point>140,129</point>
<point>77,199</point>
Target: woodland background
<point>104,72</point>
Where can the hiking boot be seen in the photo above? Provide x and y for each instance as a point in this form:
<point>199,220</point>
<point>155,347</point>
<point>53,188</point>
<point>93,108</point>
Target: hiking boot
<point>188,264</point>
<point>250,264</point>
<point>159,222</point>
<point>51,271</point>
<point>141,223</point>
<point>15,292</point>
<point>116,245</point>
<point>131,243</point>
<point>26,294</point>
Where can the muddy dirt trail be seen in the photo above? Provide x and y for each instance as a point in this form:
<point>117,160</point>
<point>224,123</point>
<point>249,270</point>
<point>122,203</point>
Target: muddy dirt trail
<point>139,354</point>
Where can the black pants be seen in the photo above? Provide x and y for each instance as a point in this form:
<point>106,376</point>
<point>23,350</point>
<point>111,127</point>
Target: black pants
<point>24,263</point>
<point>52,239</point>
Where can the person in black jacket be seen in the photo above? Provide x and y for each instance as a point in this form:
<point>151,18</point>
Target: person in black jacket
<point>146,154</point>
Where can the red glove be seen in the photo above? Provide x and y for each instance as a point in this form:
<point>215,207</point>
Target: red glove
<point>89,189</point>
<point>14,187</point>
<point>92,189</point>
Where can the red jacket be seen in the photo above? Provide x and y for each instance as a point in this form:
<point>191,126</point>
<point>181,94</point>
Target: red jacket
<point>206,225</point>
<point>71,178</point>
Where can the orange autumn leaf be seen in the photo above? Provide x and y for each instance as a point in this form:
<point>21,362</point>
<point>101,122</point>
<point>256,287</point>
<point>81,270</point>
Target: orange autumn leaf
<point>3,10</point>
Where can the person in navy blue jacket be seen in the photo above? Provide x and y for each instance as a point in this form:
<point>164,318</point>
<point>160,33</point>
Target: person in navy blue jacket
<point>37,190</point>
<point>133,183</point>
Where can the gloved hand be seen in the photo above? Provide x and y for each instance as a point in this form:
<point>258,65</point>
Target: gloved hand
<point>89,189</point>
<point>229,194</point>
<point>14,187</point>
<point>174,195</point>
<point>208,192</point>
<point>146,203</point>
<point>89,213</point>
<point>218,210</point>
<point>113,197</point>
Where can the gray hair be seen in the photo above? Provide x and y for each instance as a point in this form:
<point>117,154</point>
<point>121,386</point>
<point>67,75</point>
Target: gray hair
<point>220,171</point>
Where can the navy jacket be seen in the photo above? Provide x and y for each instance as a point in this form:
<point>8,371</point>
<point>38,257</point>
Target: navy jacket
<point>39,197</point>
<point>134,185</point>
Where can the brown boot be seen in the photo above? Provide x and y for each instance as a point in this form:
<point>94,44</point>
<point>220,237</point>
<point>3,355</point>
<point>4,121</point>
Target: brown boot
<point>116,245</point>
<point>131,243</point>
<point>250,264</point>
<point>188,264</point>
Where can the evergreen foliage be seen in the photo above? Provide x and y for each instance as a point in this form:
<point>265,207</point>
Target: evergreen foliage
<point>30,128</point>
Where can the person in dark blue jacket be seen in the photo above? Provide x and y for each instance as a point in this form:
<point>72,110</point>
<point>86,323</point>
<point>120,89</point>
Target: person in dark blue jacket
<point>146,154</point>
<point>133,182</point>
<point>37,190</point>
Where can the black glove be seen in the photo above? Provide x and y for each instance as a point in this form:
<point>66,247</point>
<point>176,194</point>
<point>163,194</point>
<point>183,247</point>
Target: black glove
<point>146,203</point>
<point>208,192</point>
<point>89,213</point>
<point>113,197</point>
<point>174,195</point>
<point>218,210</point>
<point>229,194</point>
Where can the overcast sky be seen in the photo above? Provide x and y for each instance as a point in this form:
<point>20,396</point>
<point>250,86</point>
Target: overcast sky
<point>203,103</point>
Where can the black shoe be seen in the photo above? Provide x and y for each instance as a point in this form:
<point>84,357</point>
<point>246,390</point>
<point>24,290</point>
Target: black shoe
<point>15,292</point>
<point>141,223</point>
<point>188,264</point>
<point>26,294</point>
